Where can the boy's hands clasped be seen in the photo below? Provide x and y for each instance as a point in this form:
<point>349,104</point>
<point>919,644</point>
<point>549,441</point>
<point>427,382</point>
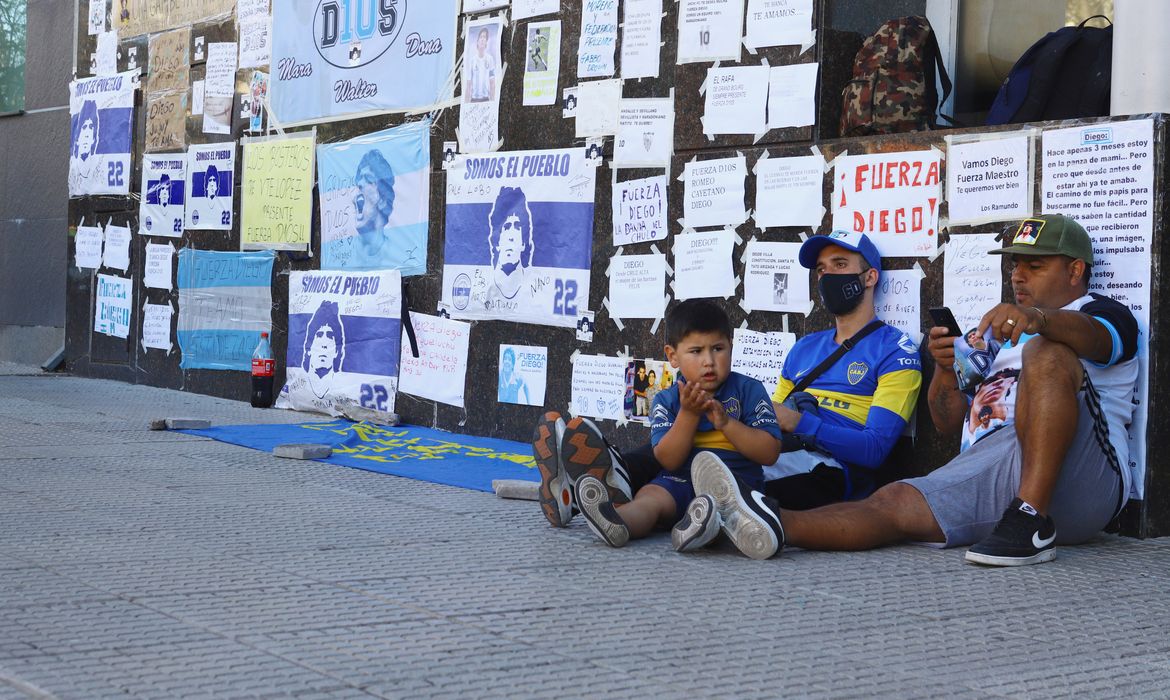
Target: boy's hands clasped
<point>700,401</point>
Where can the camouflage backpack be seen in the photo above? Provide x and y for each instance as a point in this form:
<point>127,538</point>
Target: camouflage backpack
<point>893,86</point>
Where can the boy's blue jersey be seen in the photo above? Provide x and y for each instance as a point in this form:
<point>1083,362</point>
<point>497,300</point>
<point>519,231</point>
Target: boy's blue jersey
<point>743,398</point>
<point>866,398</point>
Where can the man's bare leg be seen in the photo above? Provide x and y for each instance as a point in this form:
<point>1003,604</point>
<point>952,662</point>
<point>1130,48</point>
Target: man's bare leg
<point>894,513</point>
<point>1046,416</point>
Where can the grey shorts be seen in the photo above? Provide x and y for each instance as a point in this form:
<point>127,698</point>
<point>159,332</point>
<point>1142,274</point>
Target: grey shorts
<point>969,494</point>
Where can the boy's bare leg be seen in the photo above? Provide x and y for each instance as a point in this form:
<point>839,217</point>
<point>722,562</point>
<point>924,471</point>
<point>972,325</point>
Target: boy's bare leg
<point>895,513</point>
<point>652,505</point>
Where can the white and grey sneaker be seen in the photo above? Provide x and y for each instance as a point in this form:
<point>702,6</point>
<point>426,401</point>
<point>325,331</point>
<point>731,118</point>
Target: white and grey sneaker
<point>585,451</point>
<point>596,504</point>
<point>699,525</point>
<point>751,523</point>
<point>556,489</point>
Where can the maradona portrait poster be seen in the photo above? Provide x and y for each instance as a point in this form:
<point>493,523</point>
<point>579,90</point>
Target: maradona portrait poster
<point>101,116</point>
<point>344,334</point>
<point>519,237</point>
<point>375,200</point>
<point>332,58</point>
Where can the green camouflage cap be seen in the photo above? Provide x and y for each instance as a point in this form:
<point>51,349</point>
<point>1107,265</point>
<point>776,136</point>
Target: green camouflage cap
<point>1050,234</point>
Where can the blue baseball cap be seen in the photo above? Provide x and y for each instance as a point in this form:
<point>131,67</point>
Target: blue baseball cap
<point>849,240</point>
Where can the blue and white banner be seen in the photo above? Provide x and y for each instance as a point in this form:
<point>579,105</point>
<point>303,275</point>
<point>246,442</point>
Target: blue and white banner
<point>375,200</point>
<point>101,122</point>
<point>164,188</point>
<point>225,302</point>
<point>211,172</point>
<point>519,237</point>
<point>335,58</point>
<point>344,330</point>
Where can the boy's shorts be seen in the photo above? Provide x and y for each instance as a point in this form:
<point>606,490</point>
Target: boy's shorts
<point>678,485</point>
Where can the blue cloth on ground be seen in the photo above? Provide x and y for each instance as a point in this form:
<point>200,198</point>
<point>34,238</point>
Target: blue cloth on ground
<point>410,451</point>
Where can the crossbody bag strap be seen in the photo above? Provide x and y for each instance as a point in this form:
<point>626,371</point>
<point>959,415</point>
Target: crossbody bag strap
<point>831,360</point>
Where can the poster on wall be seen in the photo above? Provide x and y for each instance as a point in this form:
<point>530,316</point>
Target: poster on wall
<point>101,117</point>
<point>522,376</point>
<point>375,200</point>
<point>710,30</point>
<point>599,26</point>
<point>211,173</point>
<point>344,331</point>
<point>542,63</point>
<point>641,38</point>
<point>111,314</point>
<point>160,212</point>
<point>327,63</point>
<point>519,237</point>
<point>255,33</point>
<point>597,387</point>
<point>134,17</point>
<point>277,189</point>
<point>225,302</point>
<point>644,379</point>
<point>439,373</point>
<point>479,108</point>
<point>989,179</point>
<point>891,197</point>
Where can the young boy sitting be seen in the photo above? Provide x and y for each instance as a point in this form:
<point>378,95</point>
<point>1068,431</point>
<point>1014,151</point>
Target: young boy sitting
<point>710,415</point>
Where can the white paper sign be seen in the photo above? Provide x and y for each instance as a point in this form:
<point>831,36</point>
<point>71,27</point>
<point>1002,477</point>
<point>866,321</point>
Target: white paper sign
<point>219,87</point>
<point>891,197</point>
<point>439,373</point>
<point>522,375</point>
<point>898,301</point>
<point>112,313</point>
<point>197,93</point>
<point>713,193</point>
<point>774,279</point>
<point>702,265</point>
<point>761,355</point>
<point>598,387</point>
<point>645,134</point>
<point>709,30</point>
<point>637,286</point>
<point>599,24</point>
<point>989,180</point>
<point>641,38</point>
<point>779,23</point>
<point>523,9</point>
<point>88,247</point>
<point>1103,176</point>
<point>736,101</point>
<point>792,95</point>
<point>789,191</point>
<point>156,326</point>
<point>157,269</point>
<point>255,33</point>
<point>972,278</point>
<point>211,174</point>
<point>106,58</point>
<point>96,17</point>
<point>639,210</point>
<point>470,6</point>
<point>116,253</point>
<point>598,107</point>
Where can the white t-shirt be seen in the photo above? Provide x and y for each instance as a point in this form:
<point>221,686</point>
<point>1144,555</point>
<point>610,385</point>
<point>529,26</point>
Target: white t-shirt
<point>1113,382</point>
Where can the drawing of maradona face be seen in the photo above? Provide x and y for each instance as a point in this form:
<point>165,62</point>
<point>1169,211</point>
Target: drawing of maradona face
<point>510,240</point>
<point>324,347</point>
<point>212,182</point>
<point>85,139</point>
<point>164,190</point>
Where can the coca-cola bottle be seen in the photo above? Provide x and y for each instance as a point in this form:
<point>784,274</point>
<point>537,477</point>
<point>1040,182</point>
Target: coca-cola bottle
<point>262,368</point>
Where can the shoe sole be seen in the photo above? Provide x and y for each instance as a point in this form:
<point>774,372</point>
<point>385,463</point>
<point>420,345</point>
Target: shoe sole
<point>601,516</point>
<point>584,453</point>
<point>699,526</point>
<point>747,530</point>
<point>555,499</point>
<point>992,560</point>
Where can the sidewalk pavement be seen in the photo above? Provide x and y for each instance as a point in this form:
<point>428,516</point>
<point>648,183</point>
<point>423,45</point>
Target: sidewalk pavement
<point>155,564</point>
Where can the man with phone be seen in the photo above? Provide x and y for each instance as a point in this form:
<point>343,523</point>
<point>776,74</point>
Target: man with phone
<point>1057,470</point>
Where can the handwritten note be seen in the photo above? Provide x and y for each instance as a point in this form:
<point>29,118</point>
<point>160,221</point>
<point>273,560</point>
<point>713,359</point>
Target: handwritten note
<point>645,135</point>
<point>87,244</point>
<point>439,373</point>
<point>116,253</point>
<point>598,108</point>
<point>702,265</point>
<point>599,24</point>
<point>639,210</point>
<point>169,61</point>
<point>637,286</point>
<point>219,87</point>
<point>598,387</point>
<point>898,301</point>
<point>255,33</point>
<point>713,193</point>
<point>157,270</point>
<point>278,193</point>
<point>792,95</point>
<point>789,191</point>
<point>972,279</point>
<point>166,121</point>
<point>761,355</point>
<point>156,326</point>
<point>891,197</point>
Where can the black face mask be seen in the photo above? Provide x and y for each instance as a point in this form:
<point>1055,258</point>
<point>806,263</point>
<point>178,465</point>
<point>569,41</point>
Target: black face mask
<point>841,293</point>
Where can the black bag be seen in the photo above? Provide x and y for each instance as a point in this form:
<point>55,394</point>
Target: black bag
<point>1065,75</point>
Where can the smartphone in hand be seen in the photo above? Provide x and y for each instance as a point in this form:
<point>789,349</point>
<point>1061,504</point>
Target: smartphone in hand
<point>942,316</point>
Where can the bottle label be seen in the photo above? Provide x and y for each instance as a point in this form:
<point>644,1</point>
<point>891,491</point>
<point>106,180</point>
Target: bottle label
<point>262,368</point>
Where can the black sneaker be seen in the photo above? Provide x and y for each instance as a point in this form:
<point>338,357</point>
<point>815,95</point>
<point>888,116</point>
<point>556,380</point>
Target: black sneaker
<point>699,525</point>
<point>749,520</point>
<point>556,500</point>
<point>594,502</point>
<point>1021,537</point>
